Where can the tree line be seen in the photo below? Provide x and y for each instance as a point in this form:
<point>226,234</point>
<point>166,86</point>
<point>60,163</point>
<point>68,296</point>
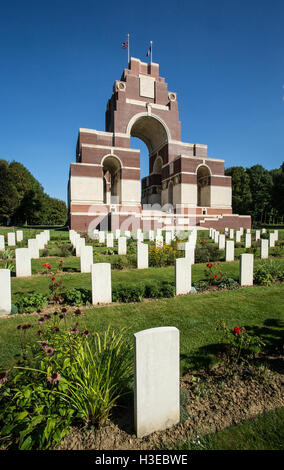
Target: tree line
<point>23,200</point>
<point>258,192</point>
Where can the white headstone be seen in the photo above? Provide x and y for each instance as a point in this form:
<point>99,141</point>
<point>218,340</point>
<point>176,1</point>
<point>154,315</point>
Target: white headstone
<point>151,235</point>
<point>257,234</point>
<point>238,236</point>
<point>109,240</point>
<point>142,256</point>
<point>101,283</point>
<point>86,258</point>
<point>168,238</point>
<point>19,235</point>
<point>23,262</point>
<point>122,246</point>
<point>157,389</point>
<point>216,236</point>
<point>102,236</point>
<point>159,241</point>
<point>5,292</point>
<point>246,269</point>
<point>230,247</point>
<point>2,242</point>
<point>271,240</point>
<point>189,252</point>
<point>80,242</point>
<point>183,275</point>
<point>232,233</point>
<point>248,240</point>
<point>11,239</point>
<point>264,248</point>
<point>221,241</point>
<point>33,247</point>
<point>275,235</point>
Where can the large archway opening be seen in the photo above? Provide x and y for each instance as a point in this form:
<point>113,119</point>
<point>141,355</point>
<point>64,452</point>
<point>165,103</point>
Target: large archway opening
<point>150,135</point>
<point>111,180</point>
<point>203,186</point>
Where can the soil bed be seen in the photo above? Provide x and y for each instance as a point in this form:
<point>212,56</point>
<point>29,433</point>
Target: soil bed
<point>210,401</point>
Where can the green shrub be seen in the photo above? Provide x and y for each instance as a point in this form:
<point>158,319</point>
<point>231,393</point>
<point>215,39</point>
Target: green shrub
<point>268,272</point>
<point>76,296</point>
<point>200,286</point>
<point>31,302</point>
<point>228,283</point>
<point>128,293</point>
<point>44,395</point>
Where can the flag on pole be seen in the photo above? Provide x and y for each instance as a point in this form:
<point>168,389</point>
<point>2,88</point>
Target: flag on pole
<point>149,51</point>
<point>125,44</point>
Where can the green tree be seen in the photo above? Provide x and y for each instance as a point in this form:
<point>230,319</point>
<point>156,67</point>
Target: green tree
<point>241,190</point>
<point>261,185</point>
<point>8,193</point>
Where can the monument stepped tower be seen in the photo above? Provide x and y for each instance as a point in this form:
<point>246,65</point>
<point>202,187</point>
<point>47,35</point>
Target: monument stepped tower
<point>184,187</point>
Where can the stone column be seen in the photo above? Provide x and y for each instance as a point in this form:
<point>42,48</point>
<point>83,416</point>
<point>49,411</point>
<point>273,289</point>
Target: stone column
<point>156,383</point>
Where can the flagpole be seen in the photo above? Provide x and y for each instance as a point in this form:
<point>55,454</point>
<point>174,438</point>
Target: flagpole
<point>128,47</point>
<point>151,42</point>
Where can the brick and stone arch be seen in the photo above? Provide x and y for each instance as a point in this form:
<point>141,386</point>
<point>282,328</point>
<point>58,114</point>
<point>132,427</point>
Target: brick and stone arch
<point>105,180</point>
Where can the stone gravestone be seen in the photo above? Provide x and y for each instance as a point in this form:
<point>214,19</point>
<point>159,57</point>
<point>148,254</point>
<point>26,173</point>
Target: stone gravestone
<point>101,283</point>
<point>142,256</point>
<point>159,241</point>
<point>102,236</point>
<point>11,239</point>
<point>257,234</point>
<point>156,383</point>
<point>230,248</point>
<point>86,258</point>
<point>80,242</point>
<point>246,270</point>
<point>168,238</point>
<point>221,242</point>
<point>182,276</point>
<point>231,233</point>
<point>122,246</point>
<point>23,262</point>
<point>271,240</point>
<point>2,242</point>
<point>33,247</point>
<point>19,235</point>
<point>248,240</point>
<point>264,248</point>
<point>189,252</point>
<point>109,240</point>
<point>216,236</point>
<point>238,236</point>
<point>5,292</point>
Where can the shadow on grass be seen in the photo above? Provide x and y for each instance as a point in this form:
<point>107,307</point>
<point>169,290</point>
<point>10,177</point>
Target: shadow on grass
<point>271,332</point>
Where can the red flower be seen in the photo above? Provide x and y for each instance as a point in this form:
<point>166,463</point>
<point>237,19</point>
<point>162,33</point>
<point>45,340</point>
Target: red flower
<point>216,277</point>
<point>53,278</point>
<point>49,267</point>
<point>237,330</point>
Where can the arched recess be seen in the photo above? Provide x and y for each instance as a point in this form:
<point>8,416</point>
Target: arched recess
<point>203,186</point>
<point>154,132</point>
<point>112,179</point>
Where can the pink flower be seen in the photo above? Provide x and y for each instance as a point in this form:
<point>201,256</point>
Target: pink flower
<point>54,378</point>
<point>49,351</point>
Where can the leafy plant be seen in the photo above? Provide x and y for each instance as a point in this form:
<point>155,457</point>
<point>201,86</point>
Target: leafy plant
<point>31,302</point>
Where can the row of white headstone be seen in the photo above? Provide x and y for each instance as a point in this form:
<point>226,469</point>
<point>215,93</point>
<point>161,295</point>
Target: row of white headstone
<point>229,245</point>
<point>12,239</point>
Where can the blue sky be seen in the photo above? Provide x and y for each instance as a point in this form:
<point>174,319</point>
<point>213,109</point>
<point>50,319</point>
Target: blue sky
<point>59,60</point>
